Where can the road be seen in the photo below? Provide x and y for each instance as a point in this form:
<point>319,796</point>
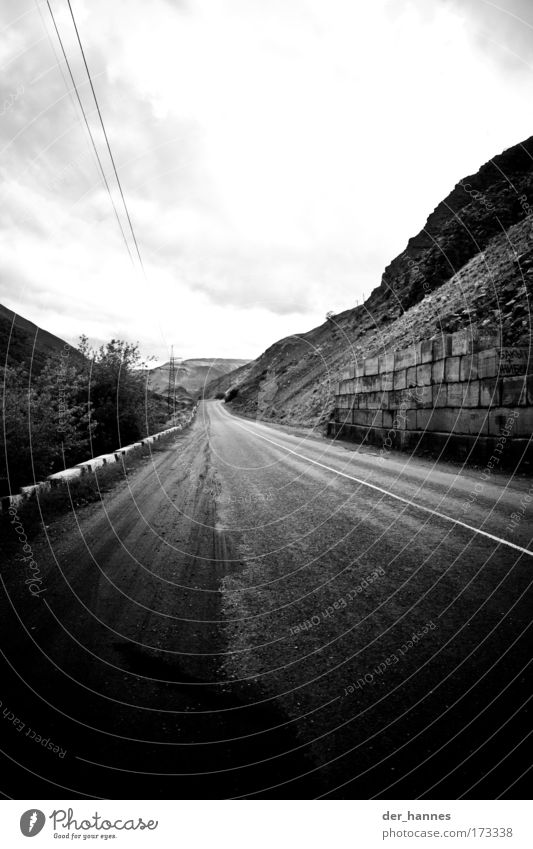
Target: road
<point>261,612</point>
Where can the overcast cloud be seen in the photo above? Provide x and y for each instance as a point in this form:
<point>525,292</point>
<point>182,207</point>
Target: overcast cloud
<point>275,156</point>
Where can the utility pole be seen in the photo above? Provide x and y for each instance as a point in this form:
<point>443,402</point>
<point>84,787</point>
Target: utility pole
<point>171,391</point>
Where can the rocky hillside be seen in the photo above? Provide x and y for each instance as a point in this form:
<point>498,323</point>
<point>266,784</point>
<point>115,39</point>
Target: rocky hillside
<point>192,375</point>
<point>472,264</point>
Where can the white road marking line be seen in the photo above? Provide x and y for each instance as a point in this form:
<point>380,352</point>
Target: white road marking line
<point>407,501</point>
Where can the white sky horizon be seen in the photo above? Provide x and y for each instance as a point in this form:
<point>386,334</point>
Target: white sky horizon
<point>275,157</point>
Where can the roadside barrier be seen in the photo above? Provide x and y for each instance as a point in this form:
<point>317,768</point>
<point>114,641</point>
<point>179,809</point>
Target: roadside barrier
<point>63,477</point>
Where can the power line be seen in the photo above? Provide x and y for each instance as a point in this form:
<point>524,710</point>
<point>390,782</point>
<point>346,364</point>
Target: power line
<point>171,391</point>
<point>89,130</point>
<point>106,138</point>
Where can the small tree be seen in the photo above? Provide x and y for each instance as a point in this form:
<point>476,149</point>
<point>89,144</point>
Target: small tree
<point>46,422</point>
<point>116,385</point>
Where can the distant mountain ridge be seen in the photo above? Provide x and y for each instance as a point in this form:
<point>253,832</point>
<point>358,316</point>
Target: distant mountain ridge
<point>471,264</point>
<point>23,341</point>
<point>194,374</point>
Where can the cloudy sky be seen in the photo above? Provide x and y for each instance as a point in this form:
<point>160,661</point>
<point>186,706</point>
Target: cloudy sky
<point>275,155</point>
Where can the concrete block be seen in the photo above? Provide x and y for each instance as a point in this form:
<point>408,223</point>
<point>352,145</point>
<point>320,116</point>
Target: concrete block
<point>410,420</point>
<point>514,362</point>
<point>457,420</point>
<point>393,400</point>
<point>437,371</point>
<point>423,375</point>
<point>490,392</point>
<point>110,458</point>
<point>65,475</point>
<point>425,351</point>
<point>422,397</point>
<point>386,363</point>
<point>373,400</point>
<point>44,486</point>
<point>461,342</point>
<point>451,369</point>
<point>372,382</point>
<point>504,362</point>
<point>384,400</point>
<point>400,379</point>
<point>529,389</point>
<point>504,419</point>
<point>405,358</point>
<point>12,501</point>
<point>440,394</point>
<point>411,376</point>
<point>488,363</point>
<point>359,369</point>
<point>514,391</point>
<point>474,422</point>
<point>26,491</point>
<point>468,368</point>
<point>402,398</point>
<point>399,419</point>
<point>463,394</point>
<point>387,381</point>
<point>442,346</point>
<point>471,394</point>
<point>423,419</point>
<point>443,420</point>
<point>372,365</point>
<point>91,465</point>
<point>387,419</point>
<point>376,418</point>
<point>524,422</point>
<point>361,417</point>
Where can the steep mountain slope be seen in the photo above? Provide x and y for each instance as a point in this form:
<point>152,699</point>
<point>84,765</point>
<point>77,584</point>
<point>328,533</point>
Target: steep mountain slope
<point>22,341</point>
<point>193,375</point>
<point>472,264</point>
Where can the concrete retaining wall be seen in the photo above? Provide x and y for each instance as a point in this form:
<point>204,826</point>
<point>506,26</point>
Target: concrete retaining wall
<point>66,475</point>
<point>456,393</point>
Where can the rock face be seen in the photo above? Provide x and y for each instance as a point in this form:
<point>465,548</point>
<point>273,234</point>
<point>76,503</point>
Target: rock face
<point>471,266</point>
<point>479,208</point>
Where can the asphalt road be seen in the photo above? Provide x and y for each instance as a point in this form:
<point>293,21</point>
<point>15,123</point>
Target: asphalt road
<point>261,612</point>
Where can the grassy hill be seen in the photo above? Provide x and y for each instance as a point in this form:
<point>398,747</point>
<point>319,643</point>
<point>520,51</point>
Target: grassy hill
<point>22,341</point>
<point>471,264</point>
